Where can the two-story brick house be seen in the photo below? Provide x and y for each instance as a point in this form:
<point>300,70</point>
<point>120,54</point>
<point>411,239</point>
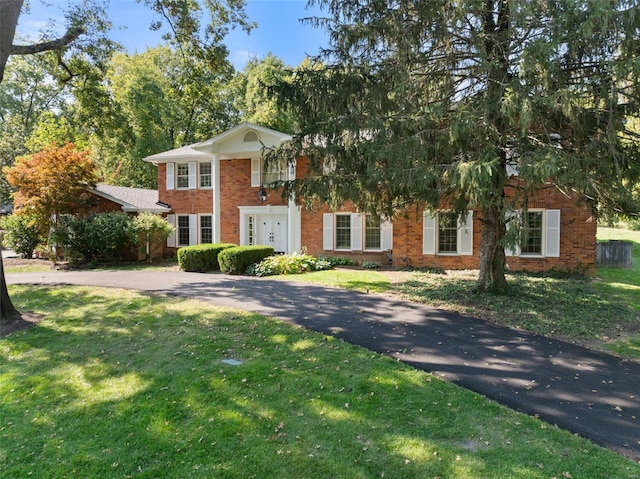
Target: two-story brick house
<point>215,193</point>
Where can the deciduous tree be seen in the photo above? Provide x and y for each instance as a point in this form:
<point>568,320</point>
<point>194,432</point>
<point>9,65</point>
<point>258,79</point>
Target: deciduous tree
<point>52,182</point>
<point>425,102</point>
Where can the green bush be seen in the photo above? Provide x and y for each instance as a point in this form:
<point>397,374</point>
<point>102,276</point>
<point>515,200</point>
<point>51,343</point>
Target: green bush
<point>288,264</point>
<point>634,224</point>
<point>237,260</point>
<point>201,258</point>
<point>338,260</point>
<point>21,234</point>
<point>371,265</point>
<point>94,237</point>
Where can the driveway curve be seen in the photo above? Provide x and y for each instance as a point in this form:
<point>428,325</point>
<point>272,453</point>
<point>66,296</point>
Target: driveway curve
<point>592,394</point>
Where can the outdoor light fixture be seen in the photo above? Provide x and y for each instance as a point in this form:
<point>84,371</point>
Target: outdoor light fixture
<point>262,194</point>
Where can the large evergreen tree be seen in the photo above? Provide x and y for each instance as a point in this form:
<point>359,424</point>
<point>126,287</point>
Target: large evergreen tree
<point>431,102</point>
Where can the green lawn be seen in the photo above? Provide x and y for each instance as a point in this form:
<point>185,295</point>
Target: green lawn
<point>116,384</point>
<point>624,286</point>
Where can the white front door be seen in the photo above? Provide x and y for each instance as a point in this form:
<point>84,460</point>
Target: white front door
<point>271,230</point>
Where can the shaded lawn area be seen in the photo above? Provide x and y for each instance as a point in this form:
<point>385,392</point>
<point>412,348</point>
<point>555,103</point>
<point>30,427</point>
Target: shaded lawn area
<point>116,384</point>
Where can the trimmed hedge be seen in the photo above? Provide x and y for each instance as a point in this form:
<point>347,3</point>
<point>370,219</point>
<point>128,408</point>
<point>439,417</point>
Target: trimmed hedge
<point>237,260</point>
<point>201,258</point>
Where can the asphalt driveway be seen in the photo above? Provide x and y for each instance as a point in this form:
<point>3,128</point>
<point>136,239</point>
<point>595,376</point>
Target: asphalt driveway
<point>589,393</point>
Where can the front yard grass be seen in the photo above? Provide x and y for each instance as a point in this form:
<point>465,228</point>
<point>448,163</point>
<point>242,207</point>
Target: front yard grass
<point>115,384</point>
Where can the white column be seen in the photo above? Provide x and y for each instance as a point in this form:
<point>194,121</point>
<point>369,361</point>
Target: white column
<point>294,232</point>
<point>215,167</point>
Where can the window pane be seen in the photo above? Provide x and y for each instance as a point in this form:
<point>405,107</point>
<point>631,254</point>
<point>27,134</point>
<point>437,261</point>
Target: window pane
<point>447,233</point>
<point>205,175</point>
<point>183,176</point>
<point>343,231</point>
<point>183,230</point>
<point>532,233</point>
<point>372,233</point>
<point>206,229</point>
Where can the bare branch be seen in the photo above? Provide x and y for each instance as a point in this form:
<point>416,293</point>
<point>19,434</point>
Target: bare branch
<point>69,37</point>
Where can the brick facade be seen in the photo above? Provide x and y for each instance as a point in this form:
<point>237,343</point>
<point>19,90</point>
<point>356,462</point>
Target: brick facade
<point>577,240</point>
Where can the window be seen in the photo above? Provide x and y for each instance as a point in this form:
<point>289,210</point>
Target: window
<point>275,172</point>
<point>538,234</point>
<point>206,229</point>
<point>183,230</point>
<point>252,230</point>
<point>182,176</point>
<point>532,233</point>
<point>205,175</point>
<point>447,233</point>
<point>372,237</point>
<point>356,232</point>
<point>343,231</point>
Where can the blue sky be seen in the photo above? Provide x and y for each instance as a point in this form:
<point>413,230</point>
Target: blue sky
<point>279,30</point>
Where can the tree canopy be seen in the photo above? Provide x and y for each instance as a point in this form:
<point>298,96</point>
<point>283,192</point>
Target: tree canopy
<point>432,102</point>
<point>52,182</point>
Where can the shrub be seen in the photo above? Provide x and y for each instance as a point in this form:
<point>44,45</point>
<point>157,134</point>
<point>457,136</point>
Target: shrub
<point>288,264</point>
<point>152,230</point>
<point>201,258</point>
<point>22,234</point>
<point>337,260</point>
<point>94,237</point>
<point>371,265</point>
<point>634,224</point>
<point>237,260</point>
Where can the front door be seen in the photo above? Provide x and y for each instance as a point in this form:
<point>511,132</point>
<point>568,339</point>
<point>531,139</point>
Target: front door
<point>272,231</point>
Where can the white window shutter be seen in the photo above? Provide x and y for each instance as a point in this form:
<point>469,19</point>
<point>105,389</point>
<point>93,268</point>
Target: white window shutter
<point>428,234</point>
<point>513,218</point>
<point>255,171</point>
<point>552,227</point>
<point>465,234</point>
<point>386,232</point>
<point>193,229</point>
<point>327,231</point>
<point>171,240</point>
<point>193,174</point>
<point>356,232</point>
<point>171,168</point>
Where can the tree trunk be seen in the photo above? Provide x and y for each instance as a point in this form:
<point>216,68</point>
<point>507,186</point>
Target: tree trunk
<point>8,311</point>
<point>9,14</point>
<point>492,258</point>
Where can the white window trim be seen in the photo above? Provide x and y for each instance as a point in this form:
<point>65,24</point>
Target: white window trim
<point>193,230</point>
<point>200,216</point>
<point>258,177</point>
<point>464,241</point>
<point>551,235</point>
<point>199,176</point>
<point>358,232</point>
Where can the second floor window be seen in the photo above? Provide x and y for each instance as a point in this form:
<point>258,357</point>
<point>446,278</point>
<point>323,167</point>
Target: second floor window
<point>205,175</point>
<point>182,176</point>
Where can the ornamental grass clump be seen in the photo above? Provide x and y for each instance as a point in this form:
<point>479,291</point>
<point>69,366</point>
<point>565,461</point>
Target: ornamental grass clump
<point>295,263</point>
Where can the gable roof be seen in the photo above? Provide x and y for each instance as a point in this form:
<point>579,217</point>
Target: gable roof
<point>246,140</point>
<point>233,143</point>
<point>132,200</point>
<point>183,153</point>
